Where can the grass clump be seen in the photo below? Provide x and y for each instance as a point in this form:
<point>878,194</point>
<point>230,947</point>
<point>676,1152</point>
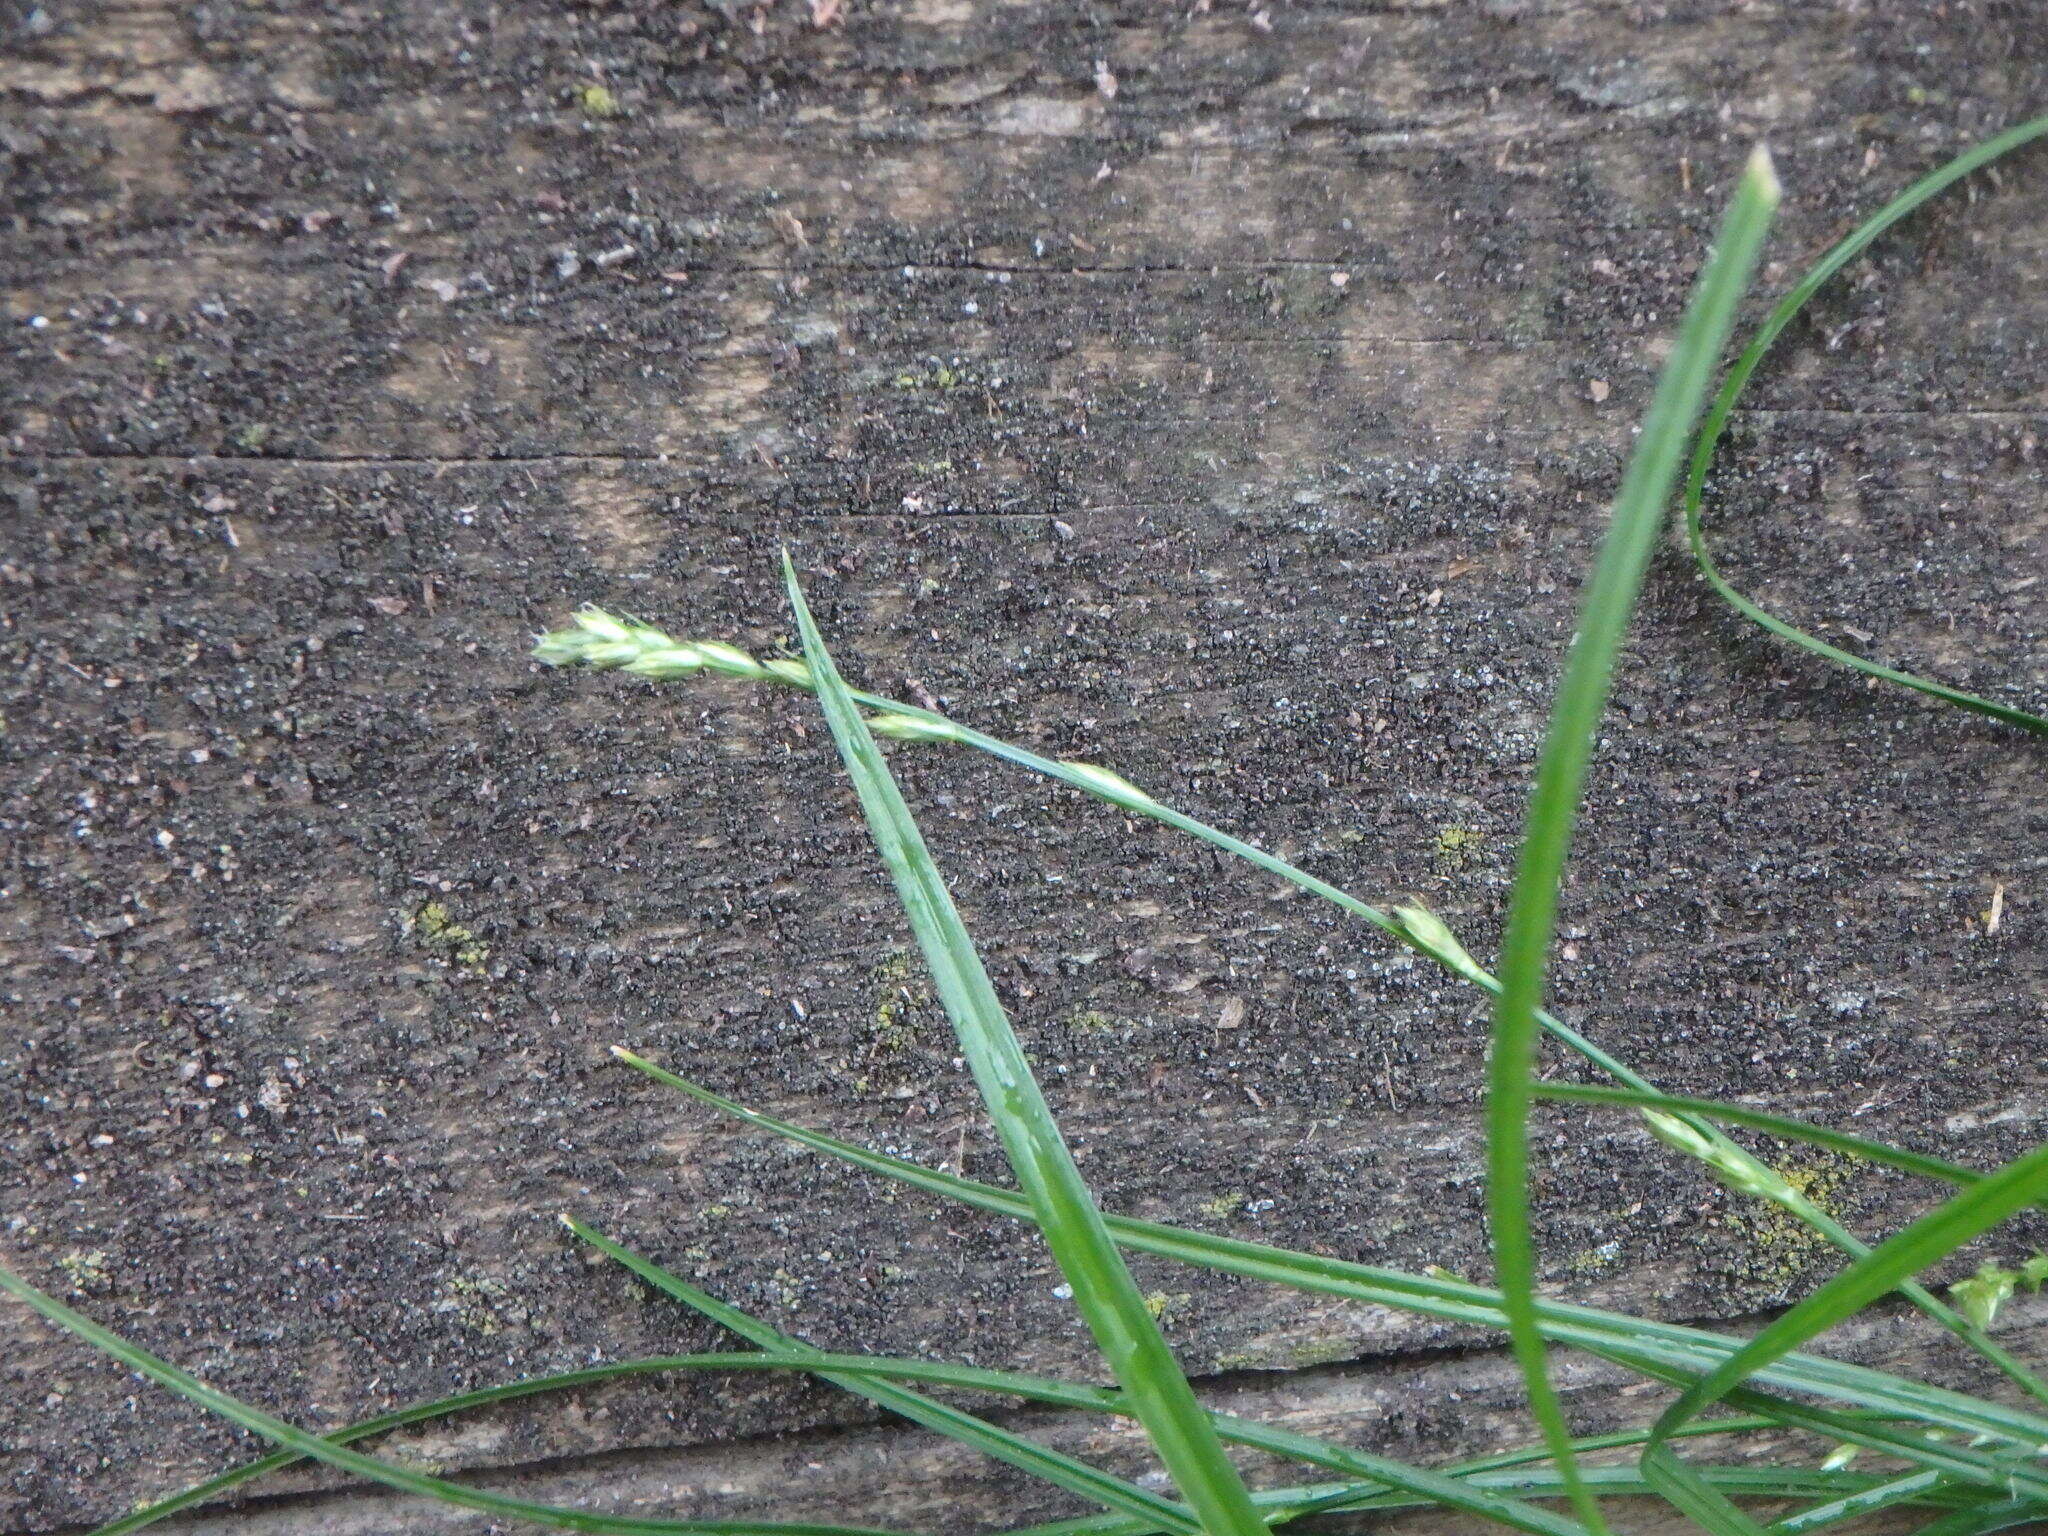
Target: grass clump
<point>1972,1462</point>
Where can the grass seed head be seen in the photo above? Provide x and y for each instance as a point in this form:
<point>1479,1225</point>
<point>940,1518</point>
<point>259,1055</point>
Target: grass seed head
<point>913,728</point>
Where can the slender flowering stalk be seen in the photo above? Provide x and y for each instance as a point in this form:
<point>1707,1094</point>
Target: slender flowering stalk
<point>599,639</point>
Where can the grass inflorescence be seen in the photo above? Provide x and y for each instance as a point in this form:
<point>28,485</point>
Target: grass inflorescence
<point>1971,1462</point>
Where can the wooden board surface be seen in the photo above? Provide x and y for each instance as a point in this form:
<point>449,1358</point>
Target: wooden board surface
<point>1247,430</point>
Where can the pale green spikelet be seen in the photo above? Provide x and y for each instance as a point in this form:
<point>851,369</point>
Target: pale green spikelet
<point>913,728</point>
<point>600,625</point>
<point>1733,1166</point>
<point>600,639</point>
<point>560,647</point>
<point>1677,1135</point>
<point>1429,934</point>
<point>1839,1457</point>
<point>791,669</point>
<point>666,662</point>
<point>1113,787</point>
<point>729,659</point>
<point>1981,1295</point>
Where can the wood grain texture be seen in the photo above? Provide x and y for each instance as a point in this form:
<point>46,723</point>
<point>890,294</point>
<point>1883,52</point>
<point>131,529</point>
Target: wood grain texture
<point>1239,431</point>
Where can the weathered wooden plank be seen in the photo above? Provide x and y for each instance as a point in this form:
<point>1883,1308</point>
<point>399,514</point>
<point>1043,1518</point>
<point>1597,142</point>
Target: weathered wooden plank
<point>1426,1411</point>
<point>1298,554</point>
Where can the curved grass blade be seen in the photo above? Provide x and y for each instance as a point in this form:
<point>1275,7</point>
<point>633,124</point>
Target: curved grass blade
<point>1428,938</point>
<point>1061,1471</point>
<point>1934,1236</point>
<point>1716,422</point>
<point>1055,1393</point>
<point>275,1429</point>
<point>1783,1126</point>
<point>1568,745</point>
<point>1748,1176</point>
<point>1668,1351</point>
<point>1852,1506</point>
<point>461,1402</point>
<point>1960,1463</point>
<point>1109,1300</point>
<point>2002,1516</point>
<point>1625,1481</point>
<point>848,1371</point>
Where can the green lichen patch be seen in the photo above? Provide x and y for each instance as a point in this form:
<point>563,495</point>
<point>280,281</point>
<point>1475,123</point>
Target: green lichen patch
<point>435,930</point>
<point>88,1271</point>
<point>1094,1021</point>
<point>480,1305</point>
<point>897,997</point>
<point>1774,1251</point>
<point>1454,845</point>
<point>1163,1303</point>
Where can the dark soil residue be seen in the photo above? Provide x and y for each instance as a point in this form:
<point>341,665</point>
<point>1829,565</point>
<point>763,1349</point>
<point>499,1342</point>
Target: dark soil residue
<point>1238,432</point>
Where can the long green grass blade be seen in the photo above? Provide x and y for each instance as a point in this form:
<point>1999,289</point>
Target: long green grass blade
<point>1065,1211</point>
<point>1441,948</point>
<point>275,1429</point>
<point>1560,774</point>
<point>1934,1236</point>
<point>445,1407</point>
<point>1747,1176</point>
<point>1853,1506</point>
<point>1762,1120</point>
<point>1625,1481</point>
<point>1657,1349</point>
<point>1716,422</point>
<point>1427,938</point>
<point>2005,1515</point>
<point>2014,1474</point>
<point>1060,1470</point>
<point>1244,1432</point>
<point>849,1371</point>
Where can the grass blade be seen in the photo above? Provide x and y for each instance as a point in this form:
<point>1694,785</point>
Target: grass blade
<point>1249,1433</point>
<point>1748,1176</point>
<point>1762,1120</point>
<point>1959,1463</point>
<point>1627,1481</point>
<point>1062,1471</point>
<point>2002,1516</point>
<point>1851,1506</point>
<point>1574,717</point>
<point>461,1402</point>
<point>652,647</point>
<point>1716,422</point>
<point>1934,1236</point>
<point>848,1371</point>
<point>404,1478</point>
<point>1658,1349</point>
<point>1064,1209</point>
